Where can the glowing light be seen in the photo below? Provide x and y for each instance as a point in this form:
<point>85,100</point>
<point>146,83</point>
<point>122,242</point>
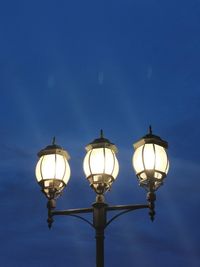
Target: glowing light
<point>54,167</point>
<point>101,161</point>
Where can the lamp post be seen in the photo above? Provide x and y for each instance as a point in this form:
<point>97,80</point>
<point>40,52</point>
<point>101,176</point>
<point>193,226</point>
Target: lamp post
<point>101,168</point>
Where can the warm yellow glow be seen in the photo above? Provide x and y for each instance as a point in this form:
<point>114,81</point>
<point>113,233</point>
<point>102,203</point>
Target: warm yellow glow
<point>161,159</point>
<point>53,166</point>
<point>101,161</point>
<point>151,157</point>
<point>137,160</point>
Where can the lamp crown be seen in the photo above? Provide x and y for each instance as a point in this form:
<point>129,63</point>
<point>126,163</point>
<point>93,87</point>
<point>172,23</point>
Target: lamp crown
<point>151,138</point>
<point>101,142</point>
<point>53,149</point>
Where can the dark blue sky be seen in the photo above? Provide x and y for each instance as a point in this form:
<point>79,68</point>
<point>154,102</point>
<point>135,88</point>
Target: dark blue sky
<point>70,68</point>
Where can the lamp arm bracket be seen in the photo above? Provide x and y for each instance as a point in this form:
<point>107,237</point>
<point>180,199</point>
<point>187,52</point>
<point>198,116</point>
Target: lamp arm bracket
<point>125,208</point>
<point>83,219</point>
<point>73,213</point>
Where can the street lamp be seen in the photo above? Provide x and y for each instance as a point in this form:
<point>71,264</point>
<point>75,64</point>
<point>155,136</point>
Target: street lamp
<point>101,168</point>
<point>151,165</point>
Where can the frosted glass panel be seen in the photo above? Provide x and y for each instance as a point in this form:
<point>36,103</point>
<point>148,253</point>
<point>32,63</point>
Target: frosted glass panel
<point>137,160</point>
<point>161,158</point>
<point>86,164</point>
<point>149,157</point>
<point>37,170</point>
<point>97,161</point>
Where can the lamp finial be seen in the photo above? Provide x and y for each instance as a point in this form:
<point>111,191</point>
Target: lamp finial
<point>150,129</point>
<point>101,133</point>
<point>54,141</point>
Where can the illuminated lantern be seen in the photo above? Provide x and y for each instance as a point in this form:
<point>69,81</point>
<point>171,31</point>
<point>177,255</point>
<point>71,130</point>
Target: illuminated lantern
<point>100,164</point>
<point>150,161</point>
<point>52,170</point>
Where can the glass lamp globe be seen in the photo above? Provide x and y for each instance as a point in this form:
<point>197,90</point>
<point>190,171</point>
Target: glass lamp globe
<point>52,170</point>
<point>150,161</point>
<point>100,164</point>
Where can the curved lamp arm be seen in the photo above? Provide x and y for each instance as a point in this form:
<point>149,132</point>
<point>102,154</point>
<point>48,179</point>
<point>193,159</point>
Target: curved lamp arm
<point>126,209</point>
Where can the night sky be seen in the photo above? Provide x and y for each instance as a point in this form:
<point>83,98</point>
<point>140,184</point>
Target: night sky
<point>71,68</point>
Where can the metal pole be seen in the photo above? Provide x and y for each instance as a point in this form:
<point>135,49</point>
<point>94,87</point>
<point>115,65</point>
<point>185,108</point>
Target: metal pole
<point>99,248</point>
<point>99,222</point>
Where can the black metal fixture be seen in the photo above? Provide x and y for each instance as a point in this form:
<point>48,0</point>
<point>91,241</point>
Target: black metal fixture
<point>101,168</point>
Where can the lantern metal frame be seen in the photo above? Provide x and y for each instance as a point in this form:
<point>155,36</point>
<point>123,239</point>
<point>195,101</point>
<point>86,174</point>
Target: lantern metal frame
<point>100,208</point>
<point>105,180</point>
<point>55,187</point>
<point>150,182</point>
